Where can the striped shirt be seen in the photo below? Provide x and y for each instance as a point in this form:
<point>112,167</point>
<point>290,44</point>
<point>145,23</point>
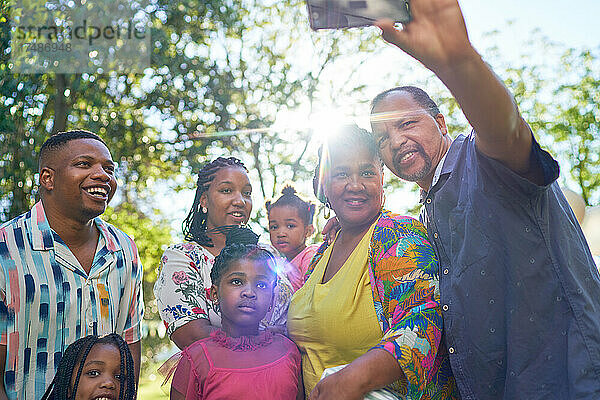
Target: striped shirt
<point>48,301</point>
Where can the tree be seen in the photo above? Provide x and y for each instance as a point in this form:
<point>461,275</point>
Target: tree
<point>558,92</point>
<point>577,121</point>
<point>216,66</point>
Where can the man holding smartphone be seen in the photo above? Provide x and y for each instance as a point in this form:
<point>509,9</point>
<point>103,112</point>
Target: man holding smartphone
<point>519,289</point>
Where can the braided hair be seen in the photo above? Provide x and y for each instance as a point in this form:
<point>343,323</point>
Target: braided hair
<point>194,225</point>
<point>306,209</point>
<point>240,243</point>
<point>73,359</point>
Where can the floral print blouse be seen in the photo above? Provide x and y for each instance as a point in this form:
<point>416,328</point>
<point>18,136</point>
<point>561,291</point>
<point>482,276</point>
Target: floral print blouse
<point>404,275</point>
<point>183,284</point>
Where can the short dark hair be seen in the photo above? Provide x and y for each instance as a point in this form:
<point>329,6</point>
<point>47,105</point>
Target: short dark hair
<point>59,139</point>
<point>240,243</point>
<point>348,136</point>
<point>194,225</point>
<point>74,357</point>
<point>306,209</point>
<point>418,94</point>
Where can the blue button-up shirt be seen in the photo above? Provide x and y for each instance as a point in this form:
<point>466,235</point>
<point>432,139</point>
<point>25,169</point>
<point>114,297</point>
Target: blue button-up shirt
<point>519,289</point>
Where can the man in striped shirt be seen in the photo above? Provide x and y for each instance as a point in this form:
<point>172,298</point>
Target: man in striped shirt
<point>64,273</point>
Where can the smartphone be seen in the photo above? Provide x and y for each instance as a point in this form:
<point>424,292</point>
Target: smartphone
<point>337,14</point>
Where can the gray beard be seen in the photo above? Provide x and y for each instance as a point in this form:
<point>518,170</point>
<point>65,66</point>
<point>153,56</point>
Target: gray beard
<point>419,175</point>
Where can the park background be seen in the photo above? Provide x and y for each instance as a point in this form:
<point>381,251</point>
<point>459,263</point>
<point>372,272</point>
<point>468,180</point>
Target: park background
<point>248,78</point>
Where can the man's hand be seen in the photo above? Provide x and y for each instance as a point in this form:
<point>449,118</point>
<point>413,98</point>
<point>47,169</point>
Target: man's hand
<point>436,36</point>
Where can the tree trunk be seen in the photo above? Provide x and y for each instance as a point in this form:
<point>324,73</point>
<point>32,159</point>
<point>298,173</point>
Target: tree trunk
<point>60,105</point>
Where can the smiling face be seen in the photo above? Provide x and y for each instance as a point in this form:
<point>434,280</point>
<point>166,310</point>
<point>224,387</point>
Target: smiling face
<point>412,141</point>
<point>244,293</point>
<point>100,375</point>
<point>78,179</point>
<point>354,186</point>
<point>287,230</point>
<point>228,198</point>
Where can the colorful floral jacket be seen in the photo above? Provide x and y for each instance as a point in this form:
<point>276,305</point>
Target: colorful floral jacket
<point>404,276</point>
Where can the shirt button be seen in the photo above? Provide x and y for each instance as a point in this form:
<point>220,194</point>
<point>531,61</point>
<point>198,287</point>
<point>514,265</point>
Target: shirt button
<point>446,271</point>
<point>451,350</point>
<point>428,201</point>
<point>435,235</point>
<point>445,307</point>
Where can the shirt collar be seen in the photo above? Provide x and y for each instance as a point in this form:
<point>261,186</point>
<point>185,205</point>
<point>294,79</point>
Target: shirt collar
<point>41,233</point>
<point>438,170</point>
<point>445,166</point>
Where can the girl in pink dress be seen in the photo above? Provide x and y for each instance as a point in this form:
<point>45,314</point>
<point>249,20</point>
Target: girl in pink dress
<point>239,361</point>
<point>290,224</point>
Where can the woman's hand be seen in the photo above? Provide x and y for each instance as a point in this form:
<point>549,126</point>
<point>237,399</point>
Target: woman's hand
<point>330,229</point>
<point>373,370</point>
<point>337,386</point>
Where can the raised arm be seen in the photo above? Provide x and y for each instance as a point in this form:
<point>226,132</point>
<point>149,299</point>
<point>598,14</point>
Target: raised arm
<point>437,37</point>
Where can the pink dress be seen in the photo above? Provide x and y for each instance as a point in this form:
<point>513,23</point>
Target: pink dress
<point>299,266</point>
<point>219,367</point>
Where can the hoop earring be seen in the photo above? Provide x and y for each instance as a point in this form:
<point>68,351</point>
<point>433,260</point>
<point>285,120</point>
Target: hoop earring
<point>204,210</point>
<point>327,212</point>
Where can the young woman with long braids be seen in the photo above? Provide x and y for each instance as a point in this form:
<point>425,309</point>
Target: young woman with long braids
<point>223,199</point>
<point>94,368</point>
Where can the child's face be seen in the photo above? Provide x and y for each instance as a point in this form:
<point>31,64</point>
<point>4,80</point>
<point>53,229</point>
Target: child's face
<point>244,293</point>
<point>100,375</point>
<point>287,230</point>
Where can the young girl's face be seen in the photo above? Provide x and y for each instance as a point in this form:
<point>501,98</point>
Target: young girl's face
<point>244,293</point>
<point>100,375</point>
<point>287,230</point>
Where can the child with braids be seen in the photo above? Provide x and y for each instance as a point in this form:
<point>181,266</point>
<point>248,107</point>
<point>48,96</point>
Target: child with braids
<point>239,361</point>
<point>290,224</point>
<point>94,368</point>
<point>223,199</point>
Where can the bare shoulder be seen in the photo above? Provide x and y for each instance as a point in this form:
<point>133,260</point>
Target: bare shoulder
<point>283,341</point>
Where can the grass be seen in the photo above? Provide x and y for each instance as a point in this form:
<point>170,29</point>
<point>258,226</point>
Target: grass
<point>150,387</point>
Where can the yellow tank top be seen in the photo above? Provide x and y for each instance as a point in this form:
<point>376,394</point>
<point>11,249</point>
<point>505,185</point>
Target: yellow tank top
<point>334,323</point>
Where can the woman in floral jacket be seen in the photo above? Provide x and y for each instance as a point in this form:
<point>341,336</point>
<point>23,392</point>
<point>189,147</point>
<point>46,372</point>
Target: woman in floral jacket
<point>371,298</point>
<point>223,199</point>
